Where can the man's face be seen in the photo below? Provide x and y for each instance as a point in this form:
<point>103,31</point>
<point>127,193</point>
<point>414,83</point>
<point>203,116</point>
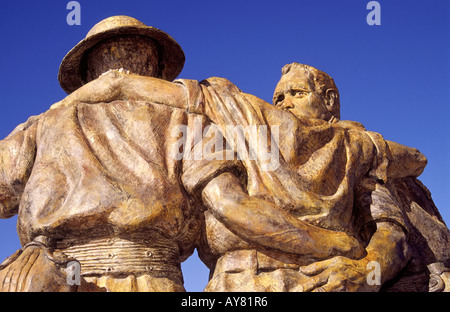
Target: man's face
<point>297,94</point>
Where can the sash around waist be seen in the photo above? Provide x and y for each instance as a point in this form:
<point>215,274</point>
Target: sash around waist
<point>242,260</point>
<point>124,255</point>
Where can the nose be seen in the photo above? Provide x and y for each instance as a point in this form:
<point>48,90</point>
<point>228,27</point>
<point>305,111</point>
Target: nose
<point>286,105</point>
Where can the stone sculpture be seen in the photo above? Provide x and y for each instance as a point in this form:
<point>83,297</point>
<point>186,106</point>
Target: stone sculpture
<point>109,188</point>
<point>103,188</point>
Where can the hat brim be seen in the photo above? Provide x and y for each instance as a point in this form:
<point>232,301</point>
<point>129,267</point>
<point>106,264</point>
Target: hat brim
<point>71,78</point>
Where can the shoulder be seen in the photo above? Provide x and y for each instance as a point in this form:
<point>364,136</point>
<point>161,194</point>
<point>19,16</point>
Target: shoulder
<point>351,125</point>
<point>30,123</point>
<point>219,81</point>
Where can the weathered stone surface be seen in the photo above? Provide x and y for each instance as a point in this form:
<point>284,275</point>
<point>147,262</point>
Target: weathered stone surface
<point>131,171</point>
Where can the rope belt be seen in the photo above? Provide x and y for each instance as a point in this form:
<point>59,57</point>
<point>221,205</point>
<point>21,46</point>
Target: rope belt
<point>136,254</point>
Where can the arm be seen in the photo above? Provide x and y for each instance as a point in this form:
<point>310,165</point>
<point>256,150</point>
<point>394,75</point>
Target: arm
<point>17,154</point>
<point>388,246</point>
<point>387,253</point>
<point>186,94</point>
<point>387,249</point>
<point>115,85</point>
<point>404,161</point>
<point>264,223</point>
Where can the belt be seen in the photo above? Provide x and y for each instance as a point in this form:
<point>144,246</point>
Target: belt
<point>257,262</point>
<point>143,253</point>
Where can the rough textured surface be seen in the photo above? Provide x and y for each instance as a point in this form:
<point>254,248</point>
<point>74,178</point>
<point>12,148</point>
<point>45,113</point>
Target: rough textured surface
<point>129,173</point>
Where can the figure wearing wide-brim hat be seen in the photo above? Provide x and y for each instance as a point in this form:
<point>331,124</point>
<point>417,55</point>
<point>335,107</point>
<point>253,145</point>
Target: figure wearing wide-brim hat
<point>71,69</point>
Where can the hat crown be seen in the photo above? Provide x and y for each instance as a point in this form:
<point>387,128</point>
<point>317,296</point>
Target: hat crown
<point>114,22</point>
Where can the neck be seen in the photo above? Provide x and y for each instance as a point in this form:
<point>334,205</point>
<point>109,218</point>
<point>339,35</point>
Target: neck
<point>120,70</point>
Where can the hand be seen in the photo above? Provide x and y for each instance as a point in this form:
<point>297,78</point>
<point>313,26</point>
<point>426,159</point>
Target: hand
<point>338,274</point>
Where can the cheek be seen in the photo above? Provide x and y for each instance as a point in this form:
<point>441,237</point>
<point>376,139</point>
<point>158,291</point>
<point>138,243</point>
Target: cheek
<point>304,103</point>
<point>308,106</point>
<point>316,103</point>
<point>302,107</point>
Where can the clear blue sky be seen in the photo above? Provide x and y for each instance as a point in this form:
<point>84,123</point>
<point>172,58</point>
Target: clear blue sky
<point>394,78</point>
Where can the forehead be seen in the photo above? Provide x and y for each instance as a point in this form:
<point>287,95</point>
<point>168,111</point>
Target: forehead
<point>297,79</point>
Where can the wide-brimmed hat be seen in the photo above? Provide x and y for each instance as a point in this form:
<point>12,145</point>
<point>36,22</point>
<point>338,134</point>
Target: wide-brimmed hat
<point>172,57</point>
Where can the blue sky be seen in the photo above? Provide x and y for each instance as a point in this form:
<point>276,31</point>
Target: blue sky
<point>394,78</point>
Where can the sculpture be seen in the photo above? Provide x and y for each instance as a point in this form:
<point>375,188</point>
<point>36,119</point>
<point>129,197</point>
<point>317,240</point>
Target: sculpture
<point>339,198</point>
<point>101,177</point>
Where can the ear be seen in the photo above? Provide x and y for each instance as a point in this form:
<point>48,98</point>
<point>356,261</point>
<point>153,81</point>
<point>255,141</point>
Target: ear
<point>331,99</point>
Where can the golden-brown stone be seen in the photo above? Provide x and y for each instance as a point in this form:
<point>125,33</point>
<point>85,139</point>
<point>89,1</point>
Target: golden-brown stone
<point>304,202</point>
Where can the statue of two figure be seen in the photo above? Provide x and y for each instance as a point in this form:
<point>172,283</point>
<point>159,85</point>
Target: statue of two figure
<point>108,178</point>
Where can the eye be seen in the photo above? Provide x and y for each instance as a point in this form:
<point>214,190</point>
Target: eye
<point>298,93</point>
<point>279,99</point>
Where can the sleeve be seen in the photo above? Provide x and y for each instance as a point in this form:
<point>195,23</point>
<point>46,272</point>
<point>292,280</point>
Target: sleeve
<point>221,101</point>
<point>391,162</point>
<point>379,170</point>
<point>404,161</point>
<point>212,98</point>
<point>195,97</point>
<point>197,174</point>
<point>199,170</point>
<point>385,206</point>
<point>375,196</point>
<point>17,154</point>
<point>380,204</point>
<point>395,160</point>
